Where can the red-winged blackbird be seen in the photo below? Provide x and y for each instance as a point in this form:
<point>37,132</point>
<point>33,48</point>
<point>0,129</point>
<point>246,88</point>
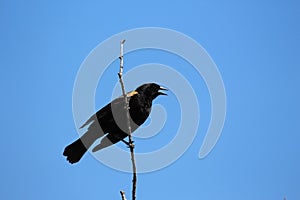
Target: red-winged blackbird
<point>112,120</point>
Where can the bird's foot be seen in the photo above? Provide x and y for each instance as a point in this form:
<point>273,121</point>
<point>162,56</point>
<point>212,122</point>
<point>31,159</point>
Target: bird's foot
<point>129,144</point>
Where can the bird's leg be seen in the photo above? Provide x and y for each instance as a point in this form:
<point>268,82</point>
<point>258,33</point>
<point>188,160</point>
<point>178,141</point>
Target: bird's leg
<point>127,143</point>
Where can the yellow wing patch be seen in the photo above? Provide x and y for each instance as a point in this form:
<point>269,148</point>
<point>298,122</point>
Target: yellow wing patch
<point>130,94</point>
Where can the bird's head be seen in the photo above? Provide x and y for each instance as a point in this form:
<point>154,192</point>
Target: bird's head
<point>151,90</point>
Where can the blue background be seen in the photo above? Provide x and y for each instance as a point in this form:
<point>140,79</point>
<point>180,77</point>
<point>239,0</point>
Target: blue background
<point>255,45</point>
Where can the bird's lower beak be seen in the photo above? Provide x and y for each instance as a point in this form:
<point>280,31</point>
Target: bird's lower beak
<point>162,88</point>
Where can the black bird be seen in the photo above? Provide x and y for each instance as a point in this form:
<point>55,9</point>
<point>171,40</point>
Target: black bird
<point>112,121</point>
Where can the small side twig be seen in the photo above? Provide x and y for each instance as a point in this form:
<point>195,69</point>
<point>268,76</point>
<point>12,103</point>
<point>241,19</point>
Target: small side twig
<point>131,145</point>
<point>123,195</point>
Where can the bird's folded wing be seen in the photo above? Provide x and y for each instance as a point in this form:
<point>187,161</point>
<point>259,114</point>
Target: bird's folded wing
<point>115,107</point>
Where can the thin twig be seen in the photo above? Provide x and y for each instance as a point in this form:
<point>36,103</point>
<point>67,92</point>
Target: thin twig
<point>123,195</point>
<point>131,145</point>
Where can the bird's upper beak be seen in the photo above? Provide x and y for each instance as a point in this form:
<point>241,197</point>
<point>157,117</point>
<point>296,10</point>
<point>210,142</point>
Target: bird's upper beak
<point>162,88</point>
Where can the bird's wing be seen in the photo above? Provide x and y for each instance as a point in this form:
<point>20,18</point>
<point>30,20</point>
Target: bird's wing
<point>91,119</point>
<point>105,113</point>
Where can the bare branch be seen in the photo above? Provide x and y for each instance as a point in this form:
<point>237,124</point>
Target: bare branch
<point>131,145</point>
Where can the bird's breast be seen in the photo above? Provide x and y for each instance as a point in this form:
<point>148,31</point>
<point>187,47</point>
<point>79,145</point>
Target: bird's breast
<point>139,114</point>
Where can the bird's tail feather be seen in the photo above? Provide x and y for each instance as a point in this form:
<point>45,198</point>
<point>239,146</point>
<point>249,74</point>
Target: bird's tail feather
<point>77,149</point>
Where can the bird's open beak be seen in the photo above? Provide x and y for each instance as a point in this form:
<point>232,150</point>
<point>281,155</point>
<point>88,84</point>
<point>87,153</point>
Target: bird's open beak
<point>162,88</point>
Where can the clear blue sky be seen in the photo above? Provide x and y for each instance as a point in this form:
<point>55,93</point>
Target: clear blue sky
<point>255,45</point>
